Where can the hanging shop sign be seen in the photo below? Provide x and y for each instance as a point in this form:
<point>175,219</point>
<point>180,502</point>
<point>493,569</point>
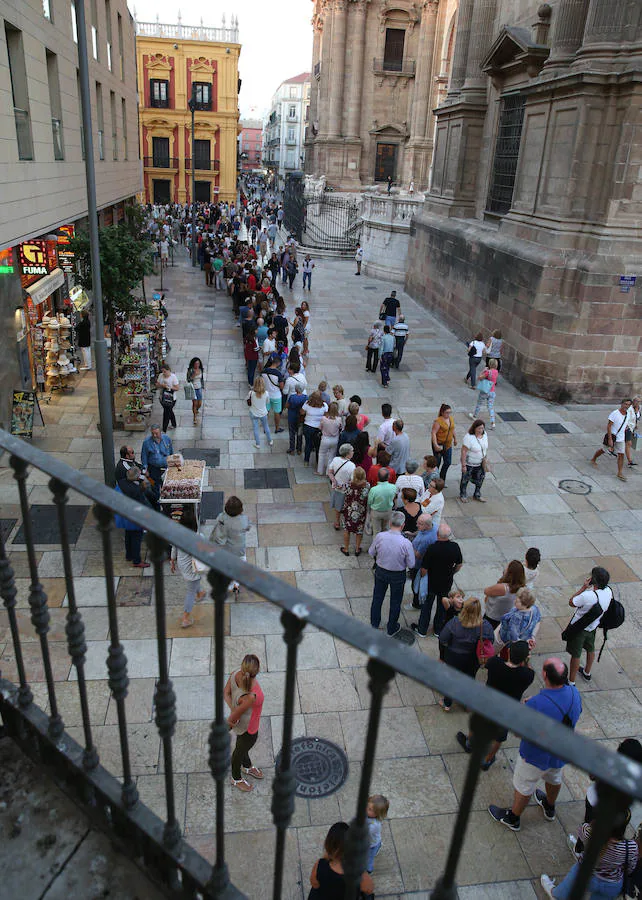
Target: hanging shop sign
<point>45,287</point>
<point>37,258</point>
<point>66,257</point>
<point>80,299</point>
<point>6,262</point>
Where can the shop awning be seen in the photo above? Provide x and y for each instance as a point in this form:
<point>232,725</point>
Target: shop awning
<point>46,286</point>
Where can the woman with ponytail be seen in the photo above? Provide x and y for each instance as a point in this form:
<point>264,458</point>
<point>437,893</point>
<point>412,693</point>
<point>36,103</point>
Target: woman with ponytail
<point>245,698</point>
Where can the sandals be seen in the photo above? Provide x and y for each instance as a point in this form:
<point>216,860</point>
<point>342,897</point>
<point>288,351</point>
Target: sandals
<point>345,552</point>
<point>243,785</point>
<point>187,623</point>
<point>254,772</point>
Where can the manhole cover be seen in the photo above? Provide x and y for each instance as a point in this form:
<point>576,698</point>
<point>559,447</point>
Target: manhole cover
<point>320,768</point>
<point>405,636</point>
<point>571,486</point>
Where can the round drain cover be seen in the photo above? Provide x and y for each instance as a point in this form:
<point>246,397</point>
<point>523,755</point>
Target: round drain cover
<point>320,767</point>
<point>572,486</point>
<point>405,636</point>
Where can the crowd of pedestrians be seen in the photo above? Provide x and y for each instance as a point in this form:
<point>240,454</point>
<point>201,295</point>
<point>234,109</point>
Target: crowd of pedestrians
<point>382,490</point>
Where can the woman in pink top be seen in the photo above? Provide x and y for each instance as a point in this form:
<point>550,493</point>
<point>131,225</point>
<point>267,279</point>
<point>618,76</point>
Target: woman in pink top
<point>245,698</point>
<point>488,375</point>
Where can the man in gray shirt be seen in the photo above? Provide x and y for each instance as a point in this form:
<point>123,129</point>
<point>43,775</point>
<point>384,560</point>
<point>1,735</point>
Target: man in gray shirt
<point>399,447</point>
<point>393,554</point>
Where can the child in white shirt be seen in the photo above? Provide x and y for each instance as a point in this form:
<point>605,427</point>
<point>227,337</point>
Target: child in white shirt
<point>376,811</point>
<point>531,565</point>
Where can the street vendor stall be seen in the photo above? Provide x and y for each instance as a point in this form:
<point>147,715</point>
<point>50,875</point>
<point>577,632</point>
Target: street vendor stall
<point>183,484</point>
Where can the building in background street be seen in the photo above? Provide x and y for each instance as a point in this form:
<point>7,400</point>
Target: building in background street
<point>175,61</point>
<point>284,128</point>
<point>251,144</point>
<point>532,222</point>
<point>379,69</point>
<point>43,192</point>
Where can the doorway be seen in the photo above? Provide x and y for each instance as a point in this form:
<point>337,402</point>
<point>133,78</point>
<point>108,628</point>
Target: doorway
<point>386,162</point>
<point>161,191</point>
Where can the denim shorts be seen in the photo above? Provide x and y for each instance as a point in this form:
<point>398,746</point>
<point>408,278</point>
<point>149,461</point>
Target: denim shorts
<point>198,393</point>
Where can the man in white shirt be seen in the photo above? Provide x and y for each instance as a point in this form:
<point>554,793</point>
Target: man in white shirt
<point>631,428</point>
<point>269,344</point>
<point>400,333</point>
<point>594,590</point>
<point>614,439</point>
<point>385,433</point>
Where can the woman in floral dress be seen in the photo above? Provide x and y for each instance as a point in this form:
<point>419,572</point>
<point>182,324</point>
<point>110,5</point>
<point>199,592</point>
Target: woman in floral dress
<point>355,507</point>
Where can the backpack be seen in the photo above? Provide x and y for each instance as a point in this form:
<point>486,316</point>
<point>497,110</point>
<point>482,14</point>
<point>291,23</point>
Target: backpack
<point>612,618</point>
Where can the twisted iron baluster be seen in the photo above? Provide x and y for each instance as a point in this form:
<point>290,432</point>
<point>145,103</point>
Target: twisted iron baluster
<point>74,627</point>
<point>38,600</point>
<point>8,593</point>
<point>219,740</point>
<point>481,735</point>
<point>284,784</point>
<point>357,837</point>
<point>164,696</point>
<point>116,659</point>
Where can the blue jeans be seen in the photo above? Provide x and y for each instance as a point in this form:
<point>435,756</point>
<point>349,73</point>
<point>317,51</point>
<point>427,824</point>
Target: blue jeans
<point>255,425</point>
<point>473,362</point>
<point>372,852</point>
<point>597,888</point>
<point>310,435</point>
<point>391,320</point>
<point>251,369</point>
<point>307,275</point>
<point>489,399</point>
<point>385,578</point>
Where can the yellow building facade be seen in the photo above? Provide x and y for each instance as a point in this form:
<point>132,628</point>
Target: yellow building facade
<point>176,63</point>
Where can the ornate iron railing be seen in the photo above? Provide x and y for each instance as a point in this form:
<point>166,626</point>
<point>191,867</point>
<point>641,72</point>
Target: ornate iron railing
<point>115,806</point>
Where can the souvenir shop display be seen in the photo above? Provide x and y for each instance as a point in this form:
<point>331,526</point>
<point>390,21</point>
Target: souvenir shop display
<point>134,398</point>
<point>53,352</point>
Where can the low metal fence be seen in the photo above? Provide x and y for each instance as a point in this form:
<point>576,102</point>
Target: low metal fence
<point>114,804</point>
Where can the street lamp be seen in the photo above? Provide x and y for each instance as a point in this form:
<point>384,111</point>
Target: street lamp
<point>192,109</point>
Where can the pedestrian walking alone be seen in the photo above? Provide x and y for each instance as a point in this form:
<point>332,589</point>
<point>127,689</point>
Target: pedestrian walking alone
<point>486,392</point>
<point>387,350</point>
<point>245,699</point>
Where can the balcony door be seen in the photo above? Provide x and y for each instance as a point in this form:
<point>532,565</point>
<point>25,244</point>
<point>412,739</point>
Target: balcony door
<point>160,152</point>
<point>393,51</point>
<point>202,155</point>
<point>386,162</point>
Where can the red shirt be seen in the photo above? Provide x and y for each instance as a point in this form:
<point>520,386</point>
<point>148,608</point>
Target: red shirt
<point>251,282</point>
<point>373,474</point>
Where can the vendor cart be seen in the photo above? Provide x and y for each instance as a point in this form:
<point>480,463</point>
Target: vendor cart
<point>183,485</point>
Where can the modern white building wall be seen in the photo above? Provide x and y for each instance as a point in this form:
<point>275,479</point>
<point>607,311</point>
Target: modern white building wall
<point>42,174</point>
<point>285,126</point>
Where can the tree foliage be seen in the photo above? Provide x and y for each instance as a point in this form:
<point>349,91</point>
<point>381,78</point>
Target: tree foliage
<point>125,258</point>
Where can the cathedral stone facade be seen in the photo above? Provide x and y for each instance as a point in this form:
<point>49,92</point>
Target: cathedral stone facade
<point>379,69</point>
<point>533,220</point>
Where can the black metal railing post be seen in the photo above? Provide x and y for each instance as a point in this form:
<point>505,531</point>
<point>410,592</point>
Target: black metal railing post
<point>357,838</point>
<point>8,593</point>
<point>284,784</point>
<point>482,734</point>
<point>74,627</point>
<point>38,600</point>
<point>164,696</point>
<point>219,740</point>
<point>116,659</point>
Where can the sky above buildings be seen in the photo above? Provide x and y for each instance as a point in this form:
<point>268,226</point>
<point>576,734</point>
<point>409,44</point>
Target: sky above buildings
<point>276,39</point>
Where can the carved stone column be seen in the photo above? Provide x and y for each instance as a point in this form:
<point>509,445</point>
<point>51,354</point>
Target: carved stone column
<point>568,29</point>
<point>357,47</point>
<point>605,26</point>
<point>423,77</point>
<point>460,54</point>
<point>481,38</point>
<point>337,72</point>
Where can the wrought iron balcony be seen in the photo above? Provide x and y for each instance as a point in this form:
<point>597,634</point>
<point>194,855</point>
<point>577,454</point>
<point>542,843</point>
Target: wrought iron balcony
<point>404,67</point>
<point>114,803</point>
<point>160,162</point>
<point>203,165</point>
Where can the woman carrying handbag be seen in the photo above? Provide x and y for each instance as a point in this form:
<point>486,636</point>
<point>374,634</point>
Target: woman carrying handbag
<point>195,385</point>
<point>474,460</point>
<point>486,392</point>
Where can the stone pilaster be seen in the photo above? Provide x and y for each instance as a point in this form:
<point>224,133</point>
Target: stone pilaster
<point>460,54</point>
<point>357,22</point>
<point>568,29</point>
<point>337,70</point>
<point>419,149</point>
<point>605,30</point>
<point>481,37</point>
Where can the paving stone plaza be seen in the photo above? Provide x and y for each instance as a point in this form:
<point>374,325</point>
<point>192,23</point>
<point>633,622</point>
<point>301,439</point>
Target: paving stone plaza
<point>420,766</point>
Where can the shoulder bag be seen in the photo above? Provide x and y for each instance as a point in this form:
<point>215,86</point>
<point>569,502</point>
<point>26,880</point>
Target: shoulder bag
<point>605,440</point>
<point>190,391</point>
<point>167,398</point>
<point>484,463</point>
<point>484,385</point>
<point>485,648</point>
<point>574,628</point>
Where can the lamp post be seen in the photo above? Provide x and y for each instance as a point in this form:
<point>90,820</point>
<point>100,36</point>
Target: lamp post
<point>100,346</point>
<point>192,108</point>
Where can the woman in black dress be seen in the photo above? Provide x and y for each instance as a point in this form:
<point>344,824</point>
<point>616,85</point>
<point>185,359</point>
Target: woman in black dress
<point>327,878</point>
